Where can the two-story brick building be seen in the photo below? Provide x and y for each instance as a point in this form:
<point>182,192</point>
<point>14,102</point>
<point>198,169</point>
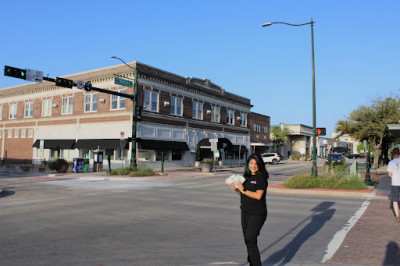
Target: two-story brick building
<point>260,133</point>
<point>40,121</point>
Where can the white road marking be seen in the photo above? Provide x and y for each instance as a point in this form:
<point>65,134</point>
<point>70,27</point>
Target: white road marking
<point>338,238</point>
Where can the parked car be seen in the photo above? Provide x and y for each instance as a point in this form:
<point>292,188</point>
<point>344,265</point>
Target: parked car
<point>273,158</point>
<point>352,156</point>
<point>336,157</point>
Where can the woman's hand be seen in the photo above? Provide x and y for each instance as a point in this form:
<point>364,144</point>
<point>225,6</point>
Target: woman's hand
<point>239,186</point>
<point>233,186</point>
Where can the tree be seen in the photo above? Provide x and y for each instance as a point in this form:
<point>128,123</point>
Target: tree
<point>279,136</point>
<point>370,123</point>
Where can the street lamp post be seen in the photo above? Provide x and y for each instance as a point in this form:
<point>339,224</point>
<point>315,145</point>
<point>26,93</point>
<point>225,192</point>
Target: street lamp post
<point>314,171</point>
<point>134,121</point>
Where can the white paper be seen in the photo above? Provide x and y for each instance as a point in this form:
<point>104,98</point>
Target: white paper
<point>235,179</point>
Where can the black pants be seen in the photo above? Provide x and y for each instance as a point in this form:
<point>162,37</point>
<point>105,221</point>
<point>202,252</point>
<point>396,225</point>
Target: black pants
<point>252,222</point>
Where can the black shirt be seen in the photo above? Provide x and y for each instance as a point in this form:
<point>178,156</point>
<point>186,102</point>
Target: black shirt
<point>254,182</point>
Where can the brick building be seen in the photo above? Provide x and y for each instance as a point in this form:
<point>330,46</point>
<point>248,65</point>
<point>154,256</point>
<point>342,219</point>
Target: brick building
<point>40,121</point>
<point>260,133</point>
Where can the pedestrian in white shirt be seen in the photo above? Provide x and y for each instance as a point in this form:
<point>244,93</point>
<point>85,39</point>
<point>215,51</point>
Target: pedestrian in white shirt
<point>394,173</point>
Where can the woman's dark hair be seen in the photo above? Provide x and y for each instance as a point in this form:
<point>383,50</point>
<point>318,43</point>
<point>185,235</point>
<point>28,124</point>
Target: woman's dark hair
<point>260,163</point>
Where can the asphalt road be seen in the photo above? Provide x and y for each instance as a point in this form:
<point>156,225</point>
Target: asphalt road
<point>160,221</point>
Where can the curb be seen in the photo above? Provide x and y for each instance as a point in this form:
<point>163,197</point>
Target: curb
<point>279,188</point>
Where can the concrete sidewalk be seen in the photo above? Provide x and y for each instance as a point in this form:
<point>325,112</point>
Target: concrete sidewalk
<point>375,237</point>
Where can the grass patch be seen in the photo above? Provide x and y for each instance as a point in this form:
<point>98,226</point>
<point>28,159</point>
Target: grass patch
<point>348,182</point>
<point>133,171</point>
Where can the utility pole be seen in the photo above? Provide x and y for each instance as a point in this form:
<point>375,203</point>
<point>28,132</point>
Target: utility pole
<point>134,121</point>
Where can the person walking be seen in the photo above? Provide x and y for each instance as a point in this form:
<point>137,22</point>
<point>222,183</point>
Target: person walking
<point>253,204</point>
<point>393,169</point>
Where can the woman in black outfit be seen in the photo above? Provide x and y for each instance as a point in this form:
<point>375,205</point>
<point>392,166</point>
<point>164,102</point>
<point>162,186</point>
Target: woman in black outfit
<point>253,204</point>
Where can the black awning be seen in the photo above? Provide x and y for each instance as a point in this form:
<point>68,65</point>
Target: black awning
<point>235,148</point>
<point>149,144</point>
<point>93,144</point>
<point>223,143</point>
<point>55,144</point>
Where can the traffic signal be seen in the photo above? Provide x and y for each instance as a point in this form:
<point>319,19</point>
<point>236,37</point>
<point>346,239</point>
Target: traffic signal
<point>88,86</point>
<point>67,83</point>
<point>138,113</point>
<point>15,72</point>
<point>321,131</point>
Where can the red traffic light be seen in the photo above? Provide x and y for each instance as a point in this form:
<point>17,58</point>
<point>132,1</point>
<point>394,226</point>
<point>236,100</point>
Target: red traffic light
<point>321,131</point>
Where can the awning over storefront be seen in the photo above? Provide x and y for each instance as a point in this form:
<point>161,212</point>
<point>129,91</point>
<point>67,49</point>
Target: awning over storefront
<point>223,143</point>
<point>236,148</point>
<point>55,144</point>
<point>93,144</point>
<point>149,144</point>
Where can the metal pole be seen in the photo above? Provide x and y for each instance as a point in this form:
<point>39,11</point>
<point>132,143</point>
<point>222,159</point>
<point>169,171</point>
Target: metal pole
<point>367,179</point>
<point>134,122</point>
<point>314,171</point>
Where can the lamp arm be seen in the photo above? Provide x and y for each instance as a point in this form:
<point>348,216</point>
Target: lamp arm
<point>279,22</point>
<point>114,57</point>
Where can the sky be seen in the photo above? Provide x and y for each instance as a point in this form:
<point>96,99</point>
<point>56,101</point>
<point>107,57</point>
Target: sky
<point>356,46</point>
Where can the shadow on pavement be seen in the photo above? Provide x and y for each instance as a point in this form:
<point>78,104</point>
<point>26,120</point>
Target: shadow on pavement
<point>323,213</point>
<point>6,193</point>
<point>392,256</point>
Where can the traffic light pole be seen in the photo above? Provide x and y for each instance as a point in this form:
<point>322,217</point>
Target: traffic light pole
<point>67,83</point>
<point>99,90</point>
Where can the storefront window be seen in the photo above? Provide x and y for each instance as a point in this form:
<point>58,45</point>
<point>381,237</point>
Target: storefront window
<point>159,156</point>
<point>176,155</point>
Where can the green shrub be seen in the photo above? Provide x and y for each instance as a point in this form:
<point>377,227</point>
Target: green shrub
<point>142,172</point>
<point>305,181</point>
<point>133,171</point>
<point>57,164</point>
<point>123,170</point>
<point>206,160</point>
<point>295,157</point>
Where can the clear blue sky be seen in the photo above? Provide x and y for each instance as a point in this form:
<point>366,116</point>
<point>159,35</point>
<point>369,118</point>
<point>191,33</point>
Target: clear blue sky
<point>357,47</point>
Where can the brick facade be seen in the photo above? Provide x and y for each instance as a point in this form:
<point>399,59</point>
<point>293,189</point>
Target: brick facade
<point>259,139</point>
<point>165,84</point>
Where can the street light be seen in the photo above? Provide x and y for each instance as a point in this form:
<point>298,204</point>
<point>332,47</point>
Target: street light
<point>134,121</point>
<point>314,172</point>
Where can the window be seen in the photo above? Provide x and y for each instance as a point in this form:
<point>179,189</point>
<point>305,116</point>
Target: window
<point>91,102</point>
<point>215,113</point>
<point>1,112</point>
<point>23,133</point>
<point>243,120</point>
<point>16,133</point>
<point>28,109</point>
<point>9,133</point>
<point>256,127</point>
<point>67,105</point>
<point>176,106</point>
<point>197,111</point>
<point>118,102</point>
<point>230,118</point>
<point>0,134</point>
<point>176,155</point>
<point>46,107</point>
<point>150,101</point>
<point>30,133</point>
<point>264,129</point>
<point>13,111</point>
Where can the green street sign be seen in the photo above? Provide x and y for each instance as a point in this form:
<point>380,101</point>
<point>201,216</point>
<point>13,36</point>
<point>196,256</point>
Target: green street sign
<point>123,82</point>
